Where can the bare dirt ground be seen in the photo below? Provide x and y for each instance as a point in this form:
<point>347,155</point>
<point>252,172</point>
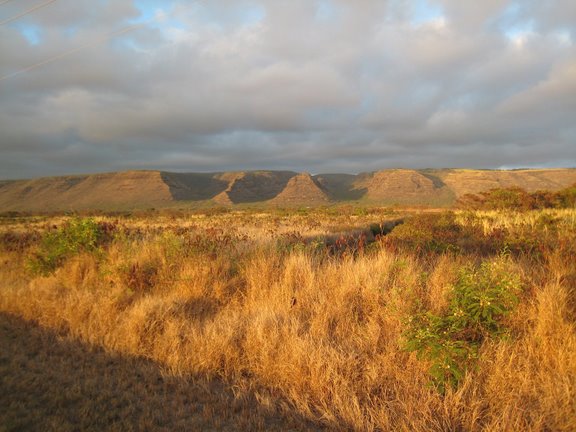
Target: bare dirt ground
<point>52,383</point>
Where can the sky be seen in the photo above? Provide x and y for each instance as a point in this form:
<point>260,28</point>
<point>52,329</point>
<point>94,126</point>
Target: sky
<point>305,85</point>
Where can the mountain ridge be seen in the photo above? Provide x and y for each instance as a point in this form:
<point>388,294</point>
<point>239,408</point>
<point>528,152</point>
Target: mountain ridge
<point>135,189</point>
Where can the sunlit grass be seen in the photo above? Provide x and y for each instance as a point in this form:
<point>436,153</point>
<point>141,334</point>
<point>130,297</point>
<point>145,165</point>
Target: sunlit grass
<point>267,300</point>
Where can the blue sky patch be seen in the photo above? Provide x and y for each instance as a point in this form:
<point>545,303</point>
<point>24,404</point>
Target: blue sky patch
<point>424,12</point>
<point>31,32</point>
<point>325,10</point>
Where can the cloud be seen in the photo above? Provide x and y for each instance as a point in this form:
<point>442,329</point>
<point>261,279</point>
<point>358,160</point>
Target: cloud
<point>321,85</point>
<point>553,94</point>
<point>470,17</point>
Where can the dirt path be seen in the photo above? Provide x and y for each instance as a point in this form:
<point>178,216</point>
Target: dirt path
<point>50,383</point>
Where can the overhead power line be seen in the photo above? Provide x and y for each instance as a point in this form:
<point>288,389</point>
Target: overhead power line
<point>26,12</point>
<point>73,50</point>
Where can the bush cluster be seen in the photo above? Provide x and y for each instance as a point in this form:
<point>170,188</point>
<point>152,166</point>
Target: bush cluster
<point>518,199</point>
<point>444,233</point>
<point>436,233</point>
<point>77,235</point>
<point>480,301</point>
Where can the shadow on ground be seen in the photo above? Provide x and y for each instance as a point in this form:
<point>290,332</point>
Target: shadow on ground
<point>52,383</point>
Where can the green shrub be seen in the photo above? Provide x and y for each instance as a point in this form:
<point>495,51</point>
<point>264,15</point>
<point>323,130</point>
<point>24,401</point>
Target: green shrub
<point>78,235</point>
<point>481,298</point>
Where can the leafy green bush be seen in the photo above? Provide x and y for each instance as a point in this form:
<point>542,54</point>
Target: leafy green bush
<point>78,235</point>
<point>481,298</point>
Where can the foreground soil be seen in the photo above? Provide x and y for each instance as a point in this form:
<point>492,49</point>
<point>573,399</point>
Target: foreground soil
<point>49,382</point>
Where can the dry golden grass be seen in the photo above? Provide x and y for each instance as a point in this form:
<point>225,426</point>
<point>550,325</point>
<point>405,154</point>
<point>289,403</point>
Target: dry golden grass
<point>491,220</point>
<point>323,334</point>
<point>50,383</point>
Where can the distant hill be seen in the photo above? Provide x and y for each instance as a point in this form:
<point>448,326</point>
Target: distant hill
<point>145,189</point>
<point>302,188</point>
<point>463,182</point>
<point>402,186</point>
<point>121,190</point>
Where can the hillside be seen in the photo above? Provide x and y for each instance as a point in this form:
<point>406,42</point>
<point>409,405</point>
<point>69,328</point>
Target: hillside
<point>301,189</point>
<point>146,189</point>
<point>463,182</point>
<point>404,187</point>
<point>121,190</point>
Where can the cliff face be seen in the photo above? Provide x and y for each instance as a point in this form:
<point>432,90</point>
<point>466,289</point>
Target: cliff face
<point>145,189</point>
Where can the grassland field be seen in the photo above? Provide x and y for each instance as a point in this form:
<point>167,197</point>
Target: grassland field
<point>370,320</point>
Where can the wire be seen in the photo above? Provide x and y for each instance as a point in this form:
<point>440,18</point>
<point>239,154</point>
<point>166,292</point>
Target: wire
<point>72,51</point>
<point>32,9</point>
<point>4,2</point>
<point>77,49</point>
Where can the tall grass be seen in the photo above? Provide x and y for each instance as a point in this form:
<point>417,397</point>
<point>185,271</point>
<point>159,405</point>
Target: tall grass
<point>321,333</point>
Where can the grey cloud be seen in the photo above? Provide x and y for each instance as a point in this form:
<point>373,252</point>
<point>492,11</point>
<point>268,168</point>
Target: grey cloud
<point>556,93</point>
<point>363,88</point>
<point>472,16</point>
<point>549,14</point>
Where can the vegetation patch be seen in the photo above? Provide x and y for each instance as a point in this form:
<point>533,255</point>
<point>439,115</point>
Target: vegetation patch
<point>481,299</point>
<point>457,320</point>
<point>435,233</point>
<point>516,198</point>
<point>75,236</point>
